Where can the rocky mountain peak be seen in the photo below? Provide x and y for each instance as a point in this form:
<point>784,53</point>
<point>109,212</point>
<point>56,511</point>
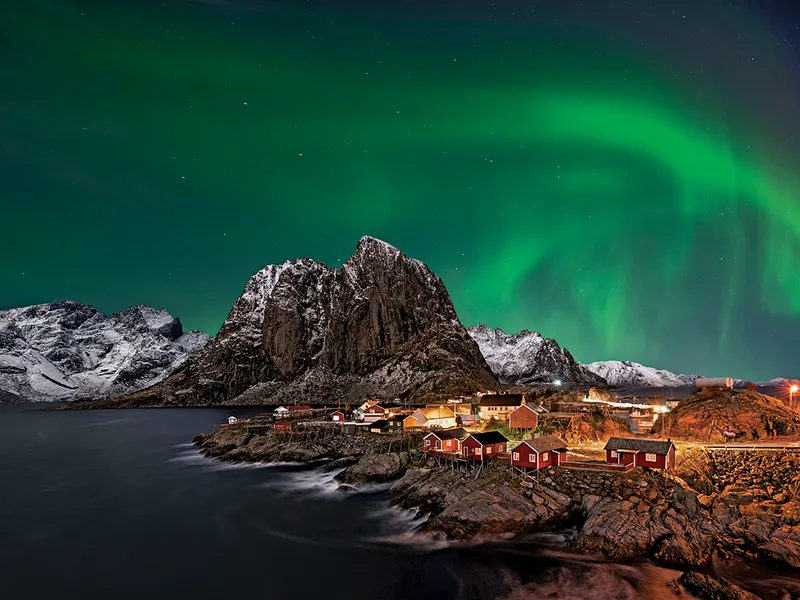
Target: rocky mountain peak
<point>528,357</point>
<point>382,325</point>
<point>67,350</point>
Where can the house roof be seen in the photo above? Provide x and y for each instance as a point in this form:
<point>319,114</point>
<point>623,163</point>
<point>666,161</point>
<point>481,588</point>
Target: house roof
<point>546,443</point>
<point>379,424</point>
<point>639,445</point>
<point>501,400</point>
<point>489,437</point>
<point>449,434</point>
<point>527,407</point>
<point>439,412</point>
<point>396,417</point>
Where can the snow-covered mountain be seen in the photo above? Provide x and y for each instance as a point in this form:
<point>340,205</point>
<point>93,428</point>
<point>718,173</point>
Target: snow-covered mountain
<point>381,326</point>
<point>527,357</point>
<point>630,374</point>
<point>69,351</point>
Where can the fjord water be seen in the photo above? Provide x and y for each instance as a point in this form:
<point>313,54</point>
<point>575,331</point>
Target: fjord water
<point>117,504</point>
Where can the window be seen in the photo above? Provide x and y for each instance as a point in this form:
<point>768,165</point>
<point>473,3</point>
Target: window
<point>515,456</point>
<point>532,458</point>
<point>477,451</point>
<point>545,457</point>
<point>613,454</point>
<point>650,457</point>
<point>488,449</point>
<point>427,442</point>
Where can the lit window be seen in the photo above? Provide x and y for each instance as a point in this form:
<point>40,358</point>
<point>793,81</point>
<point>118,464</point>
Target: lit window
<point>488,450</point>
<point>477,451</point>
<point>545,457</point>
<point>613,454</point>
<point>532,458</point>
<point>515,456</point>
<point>650,457</point>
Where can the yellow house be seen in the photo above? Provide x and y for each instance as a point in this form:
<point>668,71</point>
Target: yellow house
<point>439,416</point>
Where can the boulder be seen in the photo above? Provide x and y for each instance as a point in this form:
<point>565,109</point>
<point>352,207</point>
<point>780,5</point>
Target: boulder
<point>376,468</point>
<point>708,588</point>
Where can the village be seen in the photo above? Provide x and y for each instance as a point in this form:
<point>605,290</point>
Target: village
<point>519,430</point>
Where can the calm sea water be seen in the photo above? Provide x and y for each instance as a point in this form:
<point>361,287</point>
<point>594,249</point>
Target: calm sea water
<point>117,504</point>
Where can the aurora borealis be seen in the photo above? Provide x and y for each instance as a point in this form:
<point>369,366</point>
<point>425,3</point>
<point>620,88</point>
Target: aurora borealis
<point>618,176</point>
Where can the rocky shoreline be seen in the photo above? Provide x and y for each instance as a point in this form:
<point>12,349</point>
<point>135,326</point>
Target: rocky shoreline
<point>717,505</point>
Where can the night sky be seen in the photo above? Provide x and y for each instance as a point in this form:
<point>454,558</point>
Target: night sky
<point>619,175</point>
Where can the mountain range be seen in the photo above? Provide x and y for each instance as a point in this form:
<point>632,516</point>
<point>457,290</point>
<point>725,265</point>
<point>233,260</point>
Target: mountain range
<point>71,351</point>
<point>382,325</point>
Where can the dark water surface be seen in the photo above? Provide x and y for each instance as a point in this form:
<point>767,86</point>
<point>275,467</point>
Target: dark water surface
<point>116,504</point>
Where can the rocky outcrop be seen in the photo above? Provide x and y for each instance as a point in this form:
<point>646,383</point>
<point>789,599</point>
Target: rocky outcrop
<point>705,587</point>
<point>622,515</point>
<point>752,500</point>
<point>383,325</point>
<point>745,414</point>
<point>376,468</point>
<point>464,506</point>
<point>527,357</point>
<point>70,351</point>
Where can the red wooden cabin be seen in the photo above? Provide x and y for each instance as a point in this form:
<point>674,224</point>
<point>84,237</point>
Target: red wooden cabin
<point>538,453</point>
<point>283,426</point>
<point>523,417</point>
<point>649,454</point>
<point>444,440</point>
<point>337,416</point>
<point>483,446</point>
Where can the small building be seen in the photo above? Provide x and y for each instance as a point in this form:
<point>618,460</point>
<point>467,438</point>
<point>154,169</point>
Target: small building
<point>395,423</point>
<point>499,405</point>
<point>483,446</point>
<point>379,426</point>
<point>538,453</point>
<point>523,417</point>
<point>337,416</point>
<point>650,454</point>
<point>284,426</point>
<point>391,409</point>
<point>459,409</point>
<point>440,416</point>
<point>713,382</point>
<point>374,413</point>
<point>366,404</point>
<point>232,420</point>
<point>445,440</point>
<point>293,409</point>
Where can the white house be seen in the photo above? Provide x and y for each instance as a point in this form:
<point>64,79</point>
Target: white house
<point>281,410</point>
<point>232,420</point>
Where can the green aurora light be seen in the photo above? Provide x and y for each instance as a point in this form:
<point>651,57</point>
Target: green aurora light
<point>630,191</point>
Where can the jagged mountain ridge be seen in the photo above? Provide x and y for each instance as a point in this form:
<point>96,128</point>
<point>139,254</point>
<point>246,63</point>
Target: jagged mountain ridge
<point>382,325</point>
<point>527,357</point>
<point>71,351</point>
<point>631,374</point>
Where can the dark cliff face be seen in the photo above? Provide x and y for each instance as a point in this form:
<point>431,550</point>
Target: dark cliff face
<point>382,325</point>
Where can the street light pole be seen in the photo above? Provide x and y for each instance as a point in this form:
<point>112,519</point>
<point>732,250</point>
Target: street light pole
<point>792,390</point>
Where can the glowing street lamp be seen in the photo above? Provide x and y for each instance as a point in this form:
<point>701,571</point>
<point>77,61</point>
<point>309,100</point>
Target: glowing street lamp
<point>792,391</point>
